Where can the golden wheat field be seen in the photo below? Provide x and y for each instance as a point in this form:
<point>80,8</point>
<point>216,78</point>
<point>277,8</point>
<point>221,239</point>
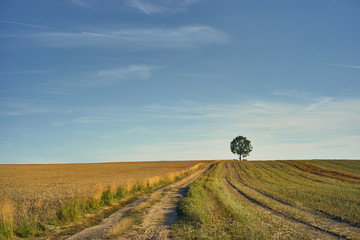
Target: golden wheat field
<point>37,191</point>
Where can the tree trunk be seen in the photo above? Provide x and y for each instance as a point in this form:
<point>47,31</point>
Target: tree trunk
<point>240,157</point>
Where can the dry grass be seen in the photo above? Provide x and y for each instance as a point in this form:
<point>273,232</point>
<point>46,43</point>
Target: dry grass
<point>335,193</point>
<point>39,191</point>
<point>324,172</point>
<point>121,227</point>
<point>256,199</point>
<point>6,218</point>
<point>155,197</point>
<point>141,207</point>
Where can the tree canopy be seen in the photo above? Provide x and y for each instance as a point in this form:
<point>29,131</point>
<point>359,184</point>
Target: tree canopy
<point>241,146</point>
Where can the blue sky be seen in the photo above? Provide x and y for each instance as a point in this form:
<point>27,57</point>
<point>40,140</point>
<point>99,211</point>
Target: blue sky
<point>106,80</point>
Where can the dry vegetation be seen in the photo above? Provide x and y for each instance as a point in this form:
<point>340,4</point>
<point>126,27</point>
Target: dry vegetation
<point>273,200</point>
<point>33,196</point>
<point>233,200</point>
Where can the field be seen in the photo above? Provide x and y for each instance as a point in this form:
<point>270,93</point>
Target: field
<point>273,200</point>
<point>33,194</point>
<point>313,199</point>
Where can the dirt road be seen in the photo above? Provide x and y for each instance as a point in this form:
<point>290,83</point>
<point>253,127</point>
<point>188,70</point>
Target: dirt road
<point>157,220</point>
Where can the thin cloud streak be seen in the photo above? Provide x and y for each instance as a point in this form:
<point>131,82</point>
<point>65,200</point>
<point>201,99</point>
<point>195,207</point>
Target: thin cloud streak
<point>26,72</point>
<point>19,107</point>
<point>341,65</point>
<point>278,130</point>
<point>324,127</point>
<point>346,66</point>
<point>24,24</point>
<point>321,118</point>
<point>146,8</point>
<point>80,3</point>
<point>160,6</point>
<point>158,38</point>
<point>132,71</point>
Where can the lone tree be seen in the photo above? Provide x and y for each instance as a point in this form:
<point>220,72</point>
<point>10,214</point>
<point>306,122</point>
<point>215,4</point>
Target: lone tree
<point>241,146</point>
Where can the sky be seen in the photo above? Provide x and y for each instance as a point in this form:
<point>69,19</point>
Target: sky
<point>146,80</point>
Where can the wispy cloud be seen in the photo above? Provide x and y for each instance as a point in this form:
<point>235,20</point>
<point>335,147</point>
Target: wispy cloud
<point>158,38</point>
<point>319,113</point>
<point>26,72</point>
<point>291,93</point>
<point>129,72</point>
<point>139,130</point>
<point>82,3</point>
<point>17,107</point>
<point>24,24</point>
<point>145,7</point>
<point>341,65</point>
<point>272,124</point>
<point>321,127</point>
<point>89,120</point>
<point>160,6</point>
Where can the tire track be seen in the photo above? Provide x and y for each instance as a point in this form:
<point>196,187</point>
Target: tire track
<point>299,224</point>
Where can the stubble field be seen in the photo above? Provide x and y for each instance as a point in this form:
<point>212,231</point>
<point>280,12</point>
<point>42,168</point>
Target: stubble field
<point>274,200</point>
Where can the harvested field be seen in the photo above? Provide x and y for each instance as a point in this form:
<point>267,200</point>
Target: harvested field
<point>323,171</point>
<point>348,166</point>
<point>218,200</point>
<point>38,191</point>
<point>272,200</point>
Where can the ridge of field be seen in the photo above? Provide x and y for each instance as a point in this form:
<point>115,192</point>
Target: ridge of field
<point>35,193</point>
<point>273,199</point>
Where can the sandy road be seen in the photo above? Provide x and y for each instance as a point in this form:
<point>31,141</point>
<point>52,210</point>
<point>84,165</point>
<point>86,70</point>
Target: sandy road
<point>157,221</point>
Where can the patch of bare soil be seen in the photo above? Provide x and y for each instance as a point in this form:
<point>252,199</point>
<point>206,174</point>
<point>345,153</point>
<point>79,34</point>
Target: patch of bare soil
<point>157,220</point>
<point>307,223</point>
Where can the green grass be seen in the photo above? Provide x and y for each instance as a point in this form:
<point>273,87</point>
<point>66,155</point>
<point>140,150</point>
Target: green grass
<point>29,228</point>
<point>6,230</point>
